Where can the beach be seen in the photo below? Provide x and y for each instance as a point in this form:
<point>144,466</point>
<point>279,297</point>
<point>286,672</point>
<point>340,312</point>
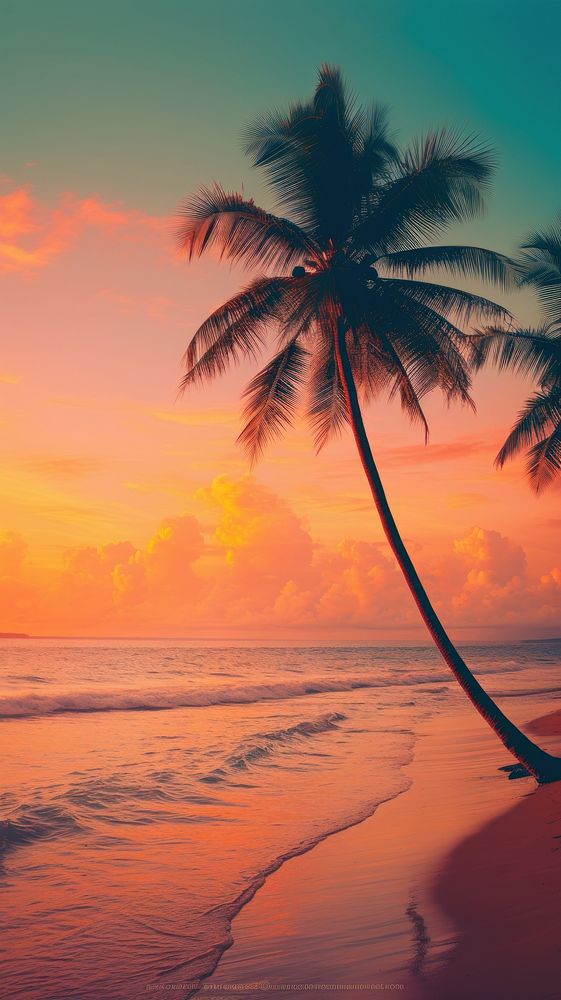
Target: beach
<point>450,890</point>
<point>502,887</point>
<point>254,820</point>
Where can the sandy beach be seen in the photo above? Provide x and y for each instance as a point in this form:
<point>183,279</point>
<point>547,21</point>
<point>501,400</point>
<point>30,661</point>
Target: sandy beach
<point>450,890</point>
<point>501,887</point>
<point>204,824</point>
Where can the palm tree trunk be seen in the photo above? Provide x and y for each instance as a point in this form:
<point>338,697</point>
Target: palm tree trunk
<point>542,765</point>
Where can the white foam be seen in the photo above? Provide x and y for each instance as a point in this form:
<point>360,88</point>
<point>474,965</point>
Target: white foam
<point>29,703</point>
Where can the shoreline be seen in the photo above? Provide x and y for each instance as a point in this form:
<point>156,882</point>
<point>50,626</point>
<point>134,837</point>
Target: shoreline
<point>365,909</point>
<point>231,910</point>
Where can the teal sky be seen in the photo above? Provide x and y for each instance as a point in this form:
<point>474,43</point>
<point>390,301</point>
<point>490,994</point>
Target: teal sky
<point>140,101</point>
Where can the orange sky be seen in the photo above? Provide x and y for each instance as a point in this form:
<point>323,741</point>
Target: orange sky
<point>125,511</point>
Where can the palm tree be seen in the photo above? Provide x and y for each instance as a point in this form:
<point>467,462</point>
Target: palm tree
<point>536,352</point>
<point>341,285</point>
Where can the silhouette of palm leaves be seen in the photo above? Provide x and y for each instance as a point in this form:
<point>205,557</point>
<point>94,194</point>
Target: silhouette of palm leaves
<point>535,352</point>
<point>357,214</point>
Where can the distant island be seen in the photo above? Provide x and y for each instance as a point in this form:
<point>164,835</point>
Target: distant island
<point>14,635</point>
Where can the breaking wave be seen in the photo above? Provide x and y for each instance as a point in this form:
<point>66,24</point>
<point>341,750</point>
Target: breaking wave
<point>265,744</point>
<point>38,822</point>
<point>153,699</point>
<point>106,699</point>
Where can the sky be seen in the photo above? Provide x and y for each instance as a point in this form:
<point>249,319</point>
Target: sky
<point>127,511</point>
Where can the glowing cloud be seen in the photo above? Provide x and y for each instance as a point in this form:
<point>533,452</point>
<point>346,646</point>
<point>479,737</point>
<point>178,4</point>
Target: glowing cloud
<point>254,564</point>
<point>33,233</point>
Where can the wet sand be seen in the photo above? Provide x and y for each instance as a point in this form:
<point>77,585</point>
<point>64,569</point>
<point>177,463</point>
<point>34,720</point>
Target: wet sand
<point>450,890</point>
<point>502,887</point>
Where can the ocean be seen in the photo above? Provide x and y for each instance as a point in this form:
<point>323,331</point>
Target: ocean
<point>151,786</point>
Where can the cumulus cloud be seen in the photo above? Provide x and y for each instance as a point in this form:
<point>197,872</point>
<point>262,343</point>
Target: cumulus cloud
<point>250,562</point>
<point>492,584</point>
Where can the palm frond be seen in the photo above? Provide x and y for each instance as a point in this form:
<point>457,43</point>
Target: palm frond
<point>546,281</point>
<point>234,330</point>
<point>544,460</point>
<point>240,230</point>
<point>304,306</point>
<point>320,158</point>
<point>409,385</point>
<point>432,349</point>
<point>410,402</point>
<point>276,142</point>
<point>540,263</point>
<point>369,363</point>
<point>538,426</point>
<point>530,352</point>
<point>374,150</point>
<point>454,303</point>
<point>546,242</point>
<point>271,396</point>
<point>327,412</point>
<point>539,417</point>
<point>440,180</point>
<point>461,261</point>
<point>332,96</point>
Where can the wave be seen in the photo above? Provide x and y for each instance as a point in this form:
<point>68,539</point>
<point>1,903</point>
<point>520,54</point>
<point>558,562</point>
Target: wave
<point>268,741</point>
<point>31,823</point>
<point>265,744</point>
<point>30,678</point>
<point>529,692</point>
<point>152,699</point>
<point>29,703</point>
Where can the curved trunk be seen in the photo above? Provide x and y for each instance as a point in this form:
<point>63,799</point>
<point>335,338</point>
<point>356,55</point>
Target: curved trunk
<point>542,765</point>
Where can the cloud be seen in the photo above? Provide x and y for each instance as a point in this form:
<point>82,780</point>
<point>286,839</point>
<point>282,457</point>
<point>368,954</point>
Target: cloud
<point>496,585</point>
<point>33,233</point>
<point>360,586</point>
<point>16,209</point>
<point>425,454</point>
<point>162,575</point>
<point>249,562</point>
<point>492,556</point>
<point>9,379</point>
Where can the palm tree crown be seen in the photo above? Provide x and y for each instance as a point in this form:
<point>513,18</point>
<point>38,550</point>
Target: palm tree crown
<point>535,352</point>
<point>350,247</point>
<point>351,313</point>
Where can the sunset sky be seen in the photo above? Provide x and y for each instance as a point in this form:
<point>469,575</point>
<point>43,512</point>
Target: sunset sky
<point>127,511</point>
